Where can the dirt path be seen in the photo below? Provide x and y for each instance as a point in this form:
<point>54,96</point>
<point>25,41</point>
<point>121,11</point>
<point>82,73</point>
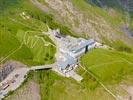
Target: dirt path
<point>12,52</point>
<point>129,90</point>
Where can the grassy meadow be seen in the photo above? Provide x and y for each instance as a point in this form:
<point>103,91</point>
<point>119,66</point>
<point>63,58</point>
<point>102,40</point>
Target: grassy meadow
<point>19,18</point>
<point>109,66</point>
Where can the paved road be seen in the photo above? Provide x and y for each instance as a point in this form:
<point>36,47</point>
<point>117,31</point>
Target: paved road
<point>75,76</point>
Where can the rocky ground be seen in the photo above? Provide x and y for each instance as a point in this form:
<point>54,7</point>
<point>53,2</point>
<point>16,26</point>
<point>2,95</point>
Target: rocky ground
<point>8,67</point>
<point>30,91</point>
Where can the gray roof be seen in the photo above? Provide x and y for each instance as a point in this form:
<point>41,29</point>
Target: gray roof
<point>88,42</point>
<point>69,61</point>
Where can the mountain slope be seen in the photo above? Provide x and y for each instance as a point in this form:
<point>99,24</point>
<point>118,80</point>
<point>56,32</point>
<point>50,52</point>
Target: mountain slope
<point>84,18</point>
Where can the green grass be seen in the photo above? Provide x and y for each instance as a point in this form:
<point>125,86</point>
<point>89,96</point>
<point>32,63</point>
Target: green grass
<point>96,11</point>
<point>13,26</point>
<point>109,66</point>
<point>37,46</point>
<point>12,22</point>
<point>55,87</point>
<point>118,45</point>
<point>131,24</point>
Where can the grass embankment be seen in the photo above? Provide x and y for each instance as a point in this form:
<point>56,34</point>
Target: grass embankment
<point>55,87</point>
<point>109,66</point>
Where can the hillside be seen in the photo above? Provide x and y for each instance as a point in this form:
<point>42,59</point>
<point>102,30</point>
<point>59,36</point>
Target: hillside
<point>103,24</point>
<point>109,66</point>
<point>21,34</point>
<point>125,6</point>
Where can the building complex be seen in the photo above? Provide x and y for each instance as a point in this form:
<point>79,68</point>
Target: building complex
<point>70,49</point>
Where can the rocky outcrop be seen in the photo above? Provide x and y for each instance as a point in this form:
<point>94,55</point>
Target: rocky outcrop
<point>8,67</point>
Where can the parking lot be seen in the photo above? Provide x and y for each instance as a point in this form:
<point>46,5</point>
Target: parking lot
<point>13,81</point>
